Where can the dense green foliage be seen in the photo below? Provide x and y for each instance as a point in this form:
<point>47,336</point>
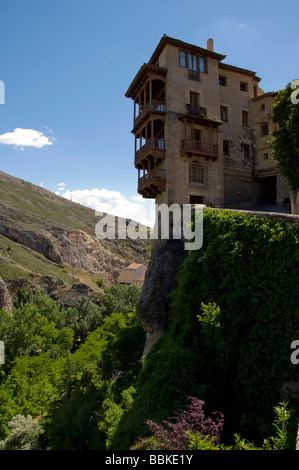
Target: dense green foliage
<point>234,316</point>
<point>285,141</point>
<point>69,368</point>
<point>77,371</point>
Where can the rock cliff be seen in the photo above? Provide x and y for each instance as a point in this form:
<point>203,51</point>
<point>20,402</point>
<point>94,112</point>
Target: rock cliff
<point>50,241</point>
<point>160,281</point>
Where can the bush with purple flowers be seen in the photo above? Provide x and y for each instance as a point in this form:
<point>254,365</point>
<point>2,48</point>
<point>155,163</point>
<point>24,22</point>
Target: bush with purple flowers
<point>175,435</point>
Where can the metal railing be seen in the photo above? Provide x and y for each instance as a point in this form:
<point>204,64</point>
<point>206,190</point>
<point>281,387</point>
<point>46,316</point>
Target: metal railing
<point>196,110</point>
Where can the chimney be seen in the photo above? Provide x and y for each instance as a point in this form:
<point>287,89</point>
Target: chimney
<point>210,45</point>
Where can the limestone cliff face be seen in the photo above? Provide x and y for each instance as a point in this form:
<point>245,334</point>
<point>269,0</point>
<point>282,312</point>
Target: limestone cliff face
<point>74,248</point>
<point>160,280</point>
<point>47,238</point>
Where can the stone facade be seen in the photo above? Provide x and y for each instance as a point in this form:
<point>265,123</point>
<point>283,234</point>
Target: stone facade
<point>271,185</point>
<point>132,274</point>
<point>201,129</point>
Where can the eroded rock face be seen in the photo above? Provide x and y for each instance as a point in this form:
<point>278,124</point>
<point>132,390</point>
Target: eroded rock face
<point>5,298</point>
<point>89,254</point>
<point>74,248</point>
<point>160,280</point>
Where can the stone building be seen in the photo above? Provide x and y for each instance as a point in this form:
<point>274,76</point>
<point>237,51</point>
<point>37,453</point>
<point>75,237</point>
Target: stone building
<point>200,128</point>
<point>271,185</point>
<point>132,274</point>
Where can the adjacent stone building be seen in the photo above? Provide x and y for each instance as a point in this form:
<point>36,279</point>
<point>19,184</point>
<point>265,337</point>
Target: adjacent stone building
<point>201,129</point>
<point>132,274</point>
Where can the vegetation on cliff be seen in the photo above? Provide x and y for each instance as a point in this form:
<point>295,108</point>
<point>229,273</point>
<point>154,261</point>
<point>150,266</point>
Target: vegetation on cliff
<point>233,317</point>
<point>285,141</point>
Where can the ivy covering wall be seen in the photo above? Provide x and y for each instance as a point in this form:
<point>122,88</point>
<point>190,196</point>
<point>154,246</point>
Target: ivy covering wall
<point>234,316</point>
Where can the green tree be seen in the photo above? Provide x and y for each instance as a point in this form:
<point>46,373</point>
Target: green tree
<point>24,434</point>
<point>285,142</point>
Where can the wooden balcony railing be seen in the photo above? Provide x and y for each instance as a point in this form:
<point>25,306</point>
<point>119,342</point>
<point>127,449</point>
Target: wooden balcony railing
<point>156,177</point>
<point>151,107</point>
<point>155,146</point>
<point>197,147</point>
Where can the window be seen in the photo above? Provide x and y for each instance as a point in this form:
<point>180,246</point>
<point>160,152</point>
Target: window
<point>196,173</point>
<point>194,99</point>
<point>222,81</point>
<point>243,86</point>
<point>246,149</point>
<point>226,148</point>
<point>263,107</point>
<point>266,156</point>
<point>245,118</point>
<point>202,65</point>
<point>224,113</point>
<point>197,135</point>
<point>193,68</point>
<point>194,63</point>
<point>183,59</point>
<point>196,199</point>
<point>264,129</point>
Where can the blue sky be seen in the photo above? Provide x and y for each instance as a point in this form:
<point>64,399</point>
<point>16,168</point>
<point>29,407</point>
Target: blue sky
<point>66,65</point>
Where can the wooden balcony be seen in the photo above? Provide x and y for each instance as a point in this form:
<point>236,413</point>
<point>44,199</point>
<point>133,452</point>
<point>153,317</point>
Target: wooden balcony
<point>190,148</point>
<point>158,107</point>
<point>152,183</point>
<point>154,147</point>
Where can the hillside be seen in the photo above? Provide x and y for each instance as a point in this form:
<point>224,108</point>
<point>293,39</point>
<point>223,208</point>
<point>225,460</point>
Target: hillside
<point>50,241</point>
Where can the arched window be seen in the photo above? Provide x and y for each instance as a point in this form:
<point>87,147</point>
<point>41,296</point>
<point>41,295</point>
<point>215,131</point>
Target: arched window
<point>196,173</point>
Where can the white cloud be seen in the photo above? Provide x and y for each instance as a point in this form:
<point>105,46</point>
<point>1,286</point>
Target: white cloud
<point>242,26</point>
<point>21,138</point>
<point>42,184</point>
<point>61,186</point>
<point>114,203</point>
<point>138,198</point>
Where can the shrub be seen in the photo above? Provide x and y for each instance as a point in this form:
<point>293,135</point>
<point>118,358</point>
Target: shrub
<point>176,435</point>
<point>24,434</point>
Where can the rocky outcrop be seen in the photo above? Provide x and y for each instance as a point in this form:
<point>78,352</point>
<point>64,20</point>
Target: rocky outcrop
<point>160,280</point>
<point>57,233</point>
<point>74,248</point>
<point>5,298</point>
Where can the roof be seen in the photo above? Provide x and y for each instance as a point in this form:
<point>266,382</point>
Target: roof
<point>184,45</point>
<point>265,95</point>
<point>203,121</point>
<point>153,67</point>
<point>141,74</point>
<point>233,68</point>
<point>133,266</point>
